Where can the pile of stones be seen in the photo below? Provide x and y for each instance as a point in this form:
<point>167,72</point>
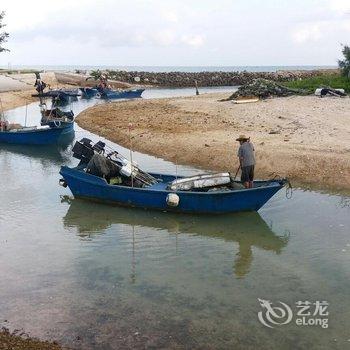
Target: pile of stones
<point>264,88</point>
<point>188,79</point>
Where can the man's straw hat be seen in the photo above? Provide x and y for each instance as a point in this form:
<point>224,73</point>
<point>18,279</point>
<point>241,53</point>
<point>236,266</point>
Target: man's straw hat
<point>242,138</point>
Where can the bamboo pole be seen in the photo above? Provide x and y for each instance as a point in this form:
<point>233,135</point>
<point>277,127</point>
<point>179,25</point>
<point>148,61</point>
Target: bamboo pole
<point>130,148</point>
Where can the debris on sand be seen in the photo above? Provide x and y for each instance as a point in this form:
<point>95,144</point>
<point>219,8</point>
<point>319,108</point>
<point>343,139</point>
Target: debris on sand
<point>263,88</point>
<point>328,91</point>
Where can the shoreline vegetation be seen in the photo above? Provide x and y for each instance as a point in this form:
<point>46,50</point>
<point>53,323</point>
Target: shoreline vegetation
<point>310,84</point>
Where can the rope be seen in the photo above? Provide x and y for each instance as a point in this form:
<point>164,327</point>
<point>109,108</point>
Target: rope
<point>289,187</point>
<point>289,190</point>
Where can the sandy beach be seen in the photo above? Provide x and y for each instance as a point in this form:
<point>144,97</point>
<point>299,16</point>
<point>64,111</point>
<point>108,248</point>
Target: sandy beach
<point>16,89</point>
<point>305,138</point>
<point>13,99</point>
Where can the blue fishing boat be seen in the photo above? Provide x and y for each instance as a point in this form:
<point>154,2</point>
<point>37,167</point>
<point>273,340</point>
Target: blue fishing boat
<point>60,96</point>
<point>88,93</point>
<point>109,94</point>
<point>56,118</point>
<point>65,93</point>
<point>38,136</point>
<point>114,180</point>
<point>89,186</point>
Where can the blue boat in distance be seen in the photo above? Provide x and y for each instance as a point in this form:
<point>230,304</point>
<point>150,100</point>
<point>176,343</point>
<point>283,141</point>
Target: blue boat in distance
<point>84,185</point>
<point>60,96</point>
<point>39,136</point>
<point>109,94</point>
<point>65,93</point>
<point>88,93</point>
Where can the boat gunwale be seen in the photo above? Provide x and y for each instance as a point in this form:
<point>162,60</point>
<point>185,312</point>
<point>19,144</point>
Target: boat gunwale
<point>23,131</point>
<point>102,182</point>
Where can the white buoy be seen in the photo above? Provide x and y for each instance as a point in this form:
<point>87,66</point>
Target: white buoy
<point>172,200</point>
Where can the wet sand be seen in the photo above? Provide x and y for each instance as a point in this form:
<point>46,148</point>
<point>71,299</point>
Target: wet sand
<point>305,138</point>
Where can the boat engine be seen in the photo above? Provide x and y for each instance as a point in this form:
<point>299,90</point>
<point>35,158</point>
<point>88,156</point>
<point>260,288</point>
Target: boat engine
<point>83,150</point>
<point>98,162</point>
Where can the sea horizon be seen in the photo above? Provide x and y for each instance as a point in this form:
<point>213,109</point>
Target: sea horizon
<point>189,69</point>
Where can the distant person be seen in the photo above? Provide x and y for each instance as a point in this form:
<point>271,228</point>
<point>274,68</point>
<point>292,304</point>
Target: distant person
<point>246,160</point>
<point>39,84</point>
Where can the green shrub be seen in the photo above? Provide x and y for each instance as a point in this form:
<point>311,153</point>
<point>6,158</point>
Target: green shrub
<point>344,64</point>
<point>311,84</point>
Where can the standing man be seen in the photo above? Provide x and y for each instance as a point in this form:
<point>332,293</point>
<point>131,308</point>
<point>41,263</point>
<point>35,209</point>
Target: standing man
<point>246,160</point>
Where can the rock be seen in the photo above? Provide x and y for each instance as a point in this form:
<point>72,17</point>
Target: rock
<point>187,79</point>
<point>273,132</point>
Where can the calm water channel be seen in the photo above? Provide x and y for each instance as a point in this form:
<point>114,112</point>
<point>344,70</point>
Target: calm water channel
<point>98,277</point>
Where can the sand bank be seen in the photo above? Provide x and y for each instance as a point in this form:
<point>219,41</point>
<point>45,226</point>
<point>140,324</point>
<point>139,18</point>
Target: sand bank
<point>16,89</point>
<point>13,99</point>
<point>303,137</point>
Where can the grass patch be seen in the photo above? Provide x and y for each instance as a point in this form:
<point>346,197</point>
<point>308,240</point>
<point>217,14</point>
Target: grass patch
<point>311,84</point>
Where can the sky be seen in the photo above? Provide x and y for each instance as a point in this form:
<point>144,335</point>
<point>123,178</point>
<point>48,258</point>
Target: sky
<point>175,32</point>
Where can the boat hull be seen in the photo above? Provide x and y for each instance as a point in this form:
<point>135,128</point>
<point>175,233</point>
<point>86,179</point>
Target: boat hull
<point>88,186</point>
<point>45,136</point>
<point>112,94</point>
<point>88,92</point>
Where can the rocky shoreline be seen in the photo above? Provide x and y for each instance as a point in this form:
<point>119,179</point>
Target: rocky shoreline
<point>129,79</point>
<point>187,79</point>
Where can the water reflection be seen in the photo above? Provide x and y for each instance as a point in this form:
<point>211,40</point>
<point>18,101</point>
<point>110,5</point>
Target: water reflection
<point>344,202</point>
<point>51,154</point>
<point>249,230</point>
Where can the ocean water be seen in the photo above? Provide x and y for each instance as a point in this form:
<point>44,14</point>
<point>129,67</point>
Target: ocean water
<point>93,276</point>
<point>171,68</point>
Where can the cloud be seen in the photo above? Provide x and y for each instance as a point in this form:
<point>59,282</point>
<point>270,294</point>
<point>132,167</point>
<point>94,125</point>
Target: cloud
<point>164,38</point>
<point>346,26</point>
<point>307,32</point>
<point>158,32</point>
<point>170,15</point>
<point>139,26</point>
<point>193,40</point>
<point>340,6</point>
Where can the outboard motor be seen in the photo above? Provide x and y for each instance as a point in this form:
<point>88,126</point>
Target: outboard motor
<point>99,147</point>
<point>93,158</point>
<point>83,150</point>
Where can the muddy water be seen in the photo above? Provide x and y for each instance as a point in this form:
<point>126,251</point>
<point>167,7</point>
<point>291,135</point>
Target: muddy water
<point>98,277</point>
